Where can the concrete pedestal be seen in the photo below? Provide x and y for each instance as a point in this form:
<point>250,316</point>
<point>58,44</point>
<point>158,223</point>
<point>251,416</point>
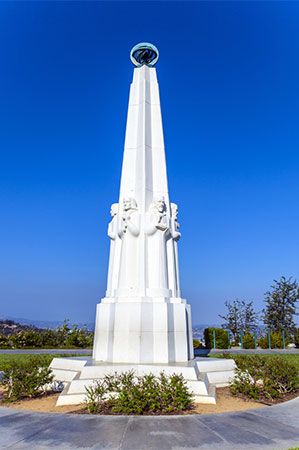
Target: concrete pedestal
<point>143,331</point>
<point>202,375</point>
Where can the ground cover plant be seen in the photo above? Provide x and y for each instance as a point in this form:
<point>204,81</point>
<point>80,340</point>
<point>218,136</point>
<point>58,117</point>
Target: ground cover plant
<point>127,393</point>
<point>264,377</point>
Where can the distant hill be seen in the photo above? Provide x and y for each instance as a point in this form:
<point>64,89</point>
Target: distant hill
<point>8,327</point>
<point>52,324</point>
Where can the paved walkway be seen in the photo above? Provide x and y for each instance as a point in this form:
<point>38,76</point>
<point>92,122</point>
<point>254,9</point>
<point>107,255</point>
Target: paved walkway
<point>269,428</point>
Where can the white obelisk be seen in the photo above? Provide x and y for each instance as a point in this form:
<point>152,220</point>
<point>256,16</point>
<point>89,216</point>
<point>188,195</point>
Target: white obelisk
<point>143,318</point>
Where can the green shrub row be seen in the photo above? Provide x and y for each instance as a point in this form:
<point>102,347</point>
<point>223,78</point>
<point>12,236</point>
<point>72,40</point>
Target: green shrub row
<point>248,339</point>
<point>127,393</point>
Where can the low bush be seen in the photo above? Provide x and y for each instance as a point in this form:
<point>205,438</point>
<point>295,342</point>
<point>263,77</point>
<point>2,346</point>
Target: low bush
<point>26,378</point>
<point>127,393</point>
<point>264,377</point>
<point>296,338</point>
<point>248,341</point>
<point>221,337</point>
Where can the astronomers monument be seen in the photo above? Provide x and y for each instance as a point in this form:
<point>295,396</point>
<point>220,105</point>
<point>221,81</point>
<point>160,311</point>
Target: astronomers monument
<point>143,323</point>
<point>143,318</point>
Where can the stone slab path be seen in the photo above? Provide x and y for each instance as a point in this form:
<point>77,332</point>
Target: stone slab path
<point>275,428</point>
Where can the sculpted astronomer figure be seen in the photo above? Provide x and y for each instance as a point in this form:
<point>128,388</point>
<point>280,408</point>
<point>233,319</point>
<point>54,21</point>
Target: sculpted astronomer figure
<point>157,230</point>
<point>114,251</point>
<point>128,232</point>
<point>175,234</point>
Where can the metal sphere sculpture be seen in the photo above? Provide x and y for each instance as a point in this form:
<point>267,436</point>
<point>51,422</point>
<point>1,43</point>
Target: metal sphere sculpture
<point>144,54</point>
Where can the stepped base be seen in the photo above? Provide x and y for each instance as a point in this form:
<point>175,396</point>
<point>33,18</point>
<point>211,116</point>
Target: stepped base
<point>202,376</point>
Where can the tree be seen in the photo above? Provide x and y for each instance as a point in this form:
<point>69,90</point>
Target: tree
<point>249,318</point>
<point>280,309</point>
<point>240,318</point>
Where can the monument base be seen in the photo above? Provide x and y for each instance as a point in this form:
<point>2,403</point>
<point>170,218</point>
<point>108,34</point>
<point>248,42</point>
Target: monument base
<point>143,331</point>
<point>202,375</point>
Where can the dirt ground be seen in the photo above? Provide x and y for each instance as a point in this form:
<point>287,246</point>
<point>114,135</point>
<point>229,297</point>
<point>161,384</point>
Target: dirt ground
<point>225,403</point>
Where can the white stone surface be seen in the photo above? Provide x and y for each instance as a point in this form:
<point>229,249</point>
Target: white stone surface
<point>143,318</point>
<point>215,364</point>
<point>68,363</point>
<point>64,375</point>
<point>221,378</point>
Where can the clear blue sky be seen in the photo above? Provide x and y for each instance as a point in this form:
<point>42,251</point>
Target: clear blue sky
<point>229,80</point>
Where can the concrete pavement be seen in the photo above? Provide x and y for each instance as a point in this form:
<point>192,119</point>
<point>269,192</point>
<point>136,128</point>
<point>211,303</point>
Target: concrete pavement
<point>275,428</point>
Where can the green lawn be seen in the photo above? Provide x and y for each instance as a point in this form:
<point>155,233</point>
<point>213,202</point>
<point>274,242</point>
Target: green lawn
<point>5,359</point>
<point>294,359</point>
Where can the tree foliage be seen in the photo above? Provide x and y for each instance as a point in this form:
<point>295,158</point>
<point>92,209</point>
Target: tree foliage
<point>240,318</point>
<point>280,308</point>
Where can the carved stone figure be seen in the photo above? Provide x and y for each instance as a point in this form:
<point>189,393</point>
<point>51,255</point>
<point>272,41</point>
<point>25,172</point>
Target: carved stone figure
<point>157,230</point>
<point>175,234</point>
<point>128,231</point>
<point>114,251</point>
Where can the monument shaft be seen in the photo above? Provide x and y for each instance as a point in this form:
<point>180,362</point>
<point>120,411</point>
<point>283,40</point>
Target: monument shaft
<point>143,318</point>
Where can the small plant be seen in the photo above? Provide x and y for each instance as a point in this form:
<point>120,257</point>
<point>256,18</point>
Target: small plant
<point>127,393</point>
<point>261,377</point>
<point>26,378</point>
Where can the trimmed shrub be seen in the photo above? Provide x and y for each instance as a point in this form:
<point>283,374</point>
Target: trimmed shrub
<point>25,378</point>
<point>248,341</point>
<point>222,339</point>
<point>127,393</point>
<point>264,377</point>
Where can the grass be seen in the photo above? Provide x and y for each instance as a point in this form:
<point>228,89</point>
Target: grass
<point>294,359</point>
<point>6,359</point>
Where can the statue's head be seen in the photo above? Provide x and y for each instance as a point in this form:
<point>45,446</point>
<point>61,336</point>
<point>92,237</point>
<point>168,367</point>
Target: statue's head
<point>160,205</point>
<point>114,209</point>
<point>129,203</point>
<point>174,210</point>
